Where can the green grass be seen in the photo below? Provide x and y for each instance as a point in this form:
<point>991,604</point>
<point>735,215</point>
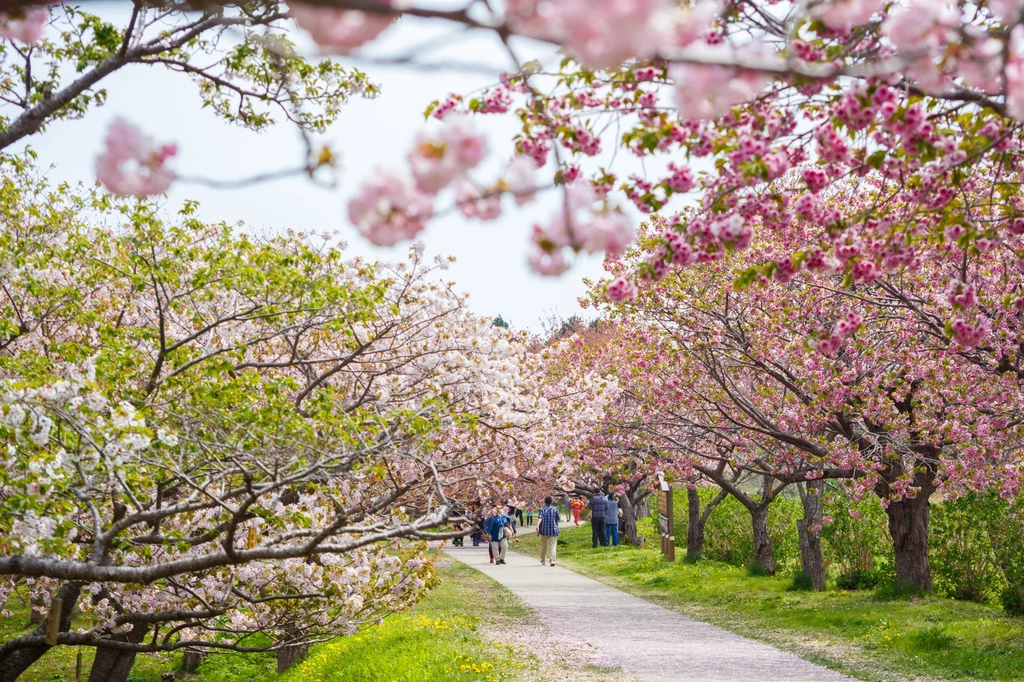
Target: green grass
<point>441,639</point>
<point>58,665</point>
<point>856,632</point>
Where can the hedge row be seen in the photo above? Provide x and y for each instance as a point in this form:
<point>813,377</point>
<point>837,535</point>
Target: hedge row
<point>976,543</point>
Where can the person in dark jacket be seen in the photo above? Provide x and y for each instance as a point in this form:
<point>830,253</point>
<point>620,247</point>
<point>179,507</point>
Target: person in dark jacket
<point>597,510</point>
<point>611,519</point>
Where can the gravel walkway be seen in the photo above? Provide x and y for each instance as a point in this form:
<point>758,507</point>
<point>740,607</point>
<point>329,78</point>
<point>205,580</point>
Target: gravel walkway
<point>650,643</point>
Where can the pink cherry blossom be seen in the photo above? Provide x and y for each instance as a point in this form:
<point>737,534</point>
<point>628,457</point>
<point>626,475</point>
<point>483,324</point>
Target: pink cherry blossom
<point>131,164</point>
<point>547,263</point>
<point>1014,73</point>
<point>621,290</point>
<point>605,33</point>
<point>473,204</point>
<point>24,25</point>
<point>961,296</point>
<point>388,209</point>
<point>842,15</point>
<point>971,334</point>
<point>340,30</point>
<point>438,159</point>
<point>610,232</point>
<point>519,178</point>
<point>914,28</point>
<point>709,92</point>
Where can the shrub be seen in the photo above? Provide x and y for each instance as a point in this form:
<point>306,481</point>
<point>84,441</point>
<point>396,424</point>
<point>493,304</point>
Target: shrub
<point>728,536</point>
<point>962,558</point>
<point>1004,522</point>
<point>801,582</point>
<point>859,580</point>
<point>756,570</point>
<point>1012,599</point>
<point>857,542</point>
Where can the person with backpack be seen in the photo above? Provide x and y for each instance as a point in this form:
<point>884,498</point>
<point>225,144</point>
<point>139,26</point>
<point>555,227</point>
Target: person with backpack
<point>499,528</point>
<point>547,529</point>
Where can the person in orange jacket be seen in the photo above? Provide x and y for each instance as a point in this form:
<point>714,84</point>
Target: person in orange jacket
<point>576,505</point>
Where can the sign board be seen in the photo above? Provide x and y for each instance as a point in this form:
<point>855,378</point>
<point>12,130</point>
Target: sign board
<point>666,520</point>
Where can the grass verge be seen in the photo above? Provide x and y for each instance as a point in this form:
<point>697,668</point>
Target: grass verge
<point>452,635</point>
<point>858,632</point>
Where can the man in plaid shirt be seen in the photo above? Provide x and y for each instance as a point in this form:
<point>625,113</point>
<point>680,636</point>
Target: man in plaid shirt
<point>547,529</point>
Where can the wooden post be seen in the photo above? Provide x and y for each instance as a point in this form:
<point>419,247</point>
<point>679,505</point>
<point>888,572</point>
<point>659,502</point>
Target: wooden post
<point>78,665</point>
<point>53,621</point>
<point>251,544</point>
<point>666,520</point>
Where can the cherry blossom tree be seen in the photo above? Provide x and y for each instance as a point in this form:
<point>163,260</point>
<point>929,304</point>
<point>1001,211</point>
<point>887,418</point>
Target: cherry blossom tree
<point>209,436</point>
<point>769,380</point>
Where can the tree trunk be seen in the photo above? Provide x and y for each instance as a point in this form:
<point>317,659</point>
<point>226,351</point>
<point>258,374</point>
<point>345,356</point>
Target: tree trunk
<point>809,528</point>
<point>642,512</point>
<point>17,661</point>
<point>762,542</point>
<point>694,525</point>
<point>38,613</point>
<point>908,526</point>
<point>114,665</point>
<point>191,660</point>
<point>290,655</point>
<point>627,527</point>
<point>293,653</point>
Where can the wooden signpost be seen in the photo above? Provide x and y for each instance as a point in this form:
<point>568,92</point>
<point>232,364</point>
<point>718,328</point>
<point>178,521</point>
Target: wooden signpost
<point>666,520</point>
<point>53,621</point>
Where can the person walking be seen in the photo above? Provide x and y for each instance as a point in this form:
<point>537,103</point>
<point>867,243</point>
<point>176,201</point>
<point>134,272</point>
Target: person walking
<point>597,509</point>
<point>576,506</point>
<point>499,528</point>
<point>547,529</point>
<point>611,519</point>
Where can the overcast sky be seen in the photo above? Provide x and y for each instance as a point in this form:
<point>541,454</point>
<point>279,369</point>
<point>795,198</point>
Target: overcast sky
<point>491,257</point>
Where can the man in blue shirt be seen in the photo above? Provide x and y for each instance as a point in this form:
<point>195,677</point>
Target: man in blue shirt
<point>598,505</point>
<point>548,531</point>
<point>499,527</point>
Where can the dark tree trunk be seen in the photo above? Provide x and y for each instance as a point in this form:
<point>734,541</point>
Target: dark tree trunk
<point>627,527</point>
<point>38,613</point>
<point>642,511</point>
<point>697,521</point>
<point>17,661</point>
<point>762,542</point>
<point>114,665</point>
<point>694,525</point>
<point>908,526</point>
<point>191,660</point>
<point>809,528</point>
<point>293,653</point>
<point>290,655</point>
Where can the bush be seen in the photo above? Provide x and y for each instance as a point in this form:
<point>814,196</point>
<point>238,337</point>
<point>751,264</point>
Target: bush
<point>728,536</point>
<point>855,547</point>
<point>756,570</point>
<point>801,583</point>
<point>1012,599</point>
<point>962,558</point>
<point>1004,522</point>
<point>859,580</point>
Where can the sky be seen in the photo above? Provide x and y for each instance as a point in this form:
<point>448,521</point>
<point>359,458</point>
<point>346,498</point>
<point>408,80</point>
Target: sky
<point>490,257</point>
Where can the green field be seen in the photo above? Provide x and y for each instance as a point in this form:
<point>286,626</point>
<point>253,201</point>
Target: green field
<point>858,632</point>
<point>454,635</point>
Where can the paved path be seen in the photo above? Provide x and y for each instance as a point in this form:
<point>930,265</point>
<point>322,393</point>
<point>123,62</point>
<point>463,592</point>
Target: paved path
<point>649,642</point>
